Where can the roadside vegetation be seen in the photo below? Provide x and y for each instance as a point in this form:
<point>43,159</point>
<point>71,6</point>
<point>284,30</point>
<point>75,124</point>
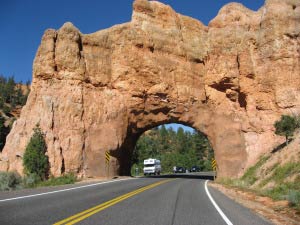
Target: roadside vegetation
<point>286,126</point>
<point>274,175</point>
<point>35,160</point>
<point>13,181</point>
<point>173,148</point>
<point>36,168</point>
<point>52,181</point>
<point>13,97</point>
<point>12,94</point>
<point>10,181</point>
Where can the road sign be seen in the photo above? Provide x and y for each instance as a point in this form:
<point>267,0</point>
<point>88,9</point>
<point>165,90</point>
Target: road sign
<point>214,167</point>
<point>107,157</point>
<point>213,164</point>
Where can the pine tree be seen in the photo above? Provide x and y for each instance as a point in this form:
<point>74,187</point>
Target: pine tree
<point>286,126</point>
<point>10,88</point>
<point>163,139</point>
<point>35,160</point>
<point>182,146</point>
<point>3,132</point>
<point>1,103</point>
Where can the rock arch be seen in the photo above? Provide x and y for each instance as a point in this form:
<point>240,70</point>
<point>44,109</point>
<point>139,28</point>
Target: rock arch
<point>95,92</point>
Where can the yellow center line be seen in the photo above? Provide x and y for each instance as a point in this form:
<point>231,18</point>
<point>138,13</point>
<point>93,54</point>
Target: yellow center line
<point>89,212</point>
<point>96,207</point>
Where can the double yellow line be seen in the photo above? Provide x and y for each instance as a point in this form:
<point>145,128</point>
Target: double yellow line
<point>89,212</point>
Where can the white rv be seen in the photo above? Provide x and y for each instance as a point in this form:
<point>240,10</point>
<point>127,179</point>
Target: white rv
<point>152,166</point>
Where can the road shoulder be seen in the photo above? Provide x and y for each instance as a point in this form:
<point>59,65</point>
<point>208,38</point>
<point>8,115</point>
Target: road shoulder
<point>49,189</point>
<point>277,212</point>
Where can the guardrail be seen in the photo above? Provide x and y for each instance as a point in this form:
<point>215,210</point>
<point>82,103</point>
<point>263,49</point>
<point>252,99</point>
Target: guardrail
<point>209,175</point>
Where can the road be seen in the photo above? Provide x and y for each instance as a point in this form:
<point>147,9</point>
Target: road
<point>169,200</point>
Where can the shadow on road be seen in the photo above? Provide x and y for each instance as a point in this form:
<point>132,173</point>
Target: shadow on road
<point>188,176</point>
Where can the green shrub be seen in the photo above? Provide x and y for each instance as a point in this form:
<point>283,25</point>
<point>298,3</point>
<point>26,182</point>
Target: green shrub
<point>294,198</point>
<point>6,109</point>
<point>9,181</point>
<point>31,180</point>
<point>139,171</point>
<point>280,192</point>
<point>35,160</point>
<point>53,181</point>
<point>283,190</point>
<point>233,183</point>
<point>281,172</point>
<point>250,176</point>
<point>286,126</point>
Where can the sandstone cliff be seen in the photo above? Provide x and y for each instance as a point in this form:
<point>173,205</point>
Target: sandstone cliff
<point>95,92</point>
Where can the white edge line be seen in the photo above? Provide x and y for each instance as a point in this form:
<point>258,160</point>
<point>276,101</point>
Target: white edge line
<point>68,189</point>
<point>216,206</point>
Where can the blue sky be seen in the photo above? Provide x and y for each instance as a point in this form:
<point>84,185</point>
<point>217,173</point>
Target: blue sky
<point>175,126</point>
<point>23,22</point>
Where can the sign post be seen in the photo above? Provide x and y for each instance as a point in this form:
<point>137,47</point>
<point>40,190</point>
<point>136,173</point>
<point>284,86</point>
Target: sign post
<point>107,159</point>
<point>214,167</point>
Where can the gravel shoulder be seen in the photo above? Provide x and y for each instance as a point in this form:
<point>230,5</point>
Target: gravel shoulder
<point>276,211</point>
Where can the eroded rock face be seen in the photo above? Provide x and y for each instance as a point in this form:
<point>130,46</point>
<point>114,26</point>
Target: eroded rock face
<point>95,92</point>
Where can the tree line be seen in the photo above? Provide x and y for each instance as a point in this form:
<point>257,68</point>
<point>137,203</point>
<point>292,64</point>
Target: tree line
<point>173,148</point>
<point>12,96</point>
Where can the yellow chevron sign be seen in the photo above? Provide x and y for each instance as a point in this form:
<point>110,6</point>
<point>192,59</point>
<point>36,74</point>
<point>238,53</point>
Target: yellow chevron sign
<point>214,164</point>
<point>107,157</point>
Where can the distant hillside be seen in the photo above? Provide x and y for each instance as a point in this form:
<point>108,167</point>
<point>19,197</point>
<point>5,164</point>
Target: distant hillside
<point>13,97</point>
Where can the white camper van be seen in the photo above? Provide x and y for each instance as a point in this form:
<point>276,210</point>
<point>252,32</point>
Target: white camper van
<point>152,166</point>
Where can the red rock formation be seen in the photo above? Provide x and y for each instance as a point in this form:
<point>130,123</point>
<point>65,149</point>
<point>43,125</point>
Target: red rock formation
<point>95,92</point>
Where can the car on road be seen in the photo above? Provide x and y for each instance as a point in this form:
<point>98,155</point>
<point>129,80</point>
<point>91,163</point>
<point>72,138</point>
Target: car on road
<point>179,169</point>
<point>195,169</point>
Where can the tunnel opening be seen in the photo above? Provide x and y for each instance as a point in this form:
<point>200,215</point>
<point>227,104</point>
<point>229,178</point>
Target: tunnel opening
<point>180,149</point>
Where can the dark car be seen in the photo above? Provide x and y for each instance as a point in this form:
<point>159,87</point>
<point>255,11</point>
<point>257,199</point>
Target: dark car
<point>195,169</point>
<point>180,169</point>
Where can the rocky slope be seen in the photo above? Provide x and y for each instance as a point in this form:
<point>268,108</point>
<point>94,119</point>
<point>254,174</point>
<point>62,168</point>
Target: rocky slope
<point>272,186</point>
<point>96,92</point>
<point>281,166</point>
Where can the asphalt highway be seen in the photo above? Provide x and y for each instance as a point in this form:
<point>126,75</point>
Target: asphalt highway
<point>169,200</point>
